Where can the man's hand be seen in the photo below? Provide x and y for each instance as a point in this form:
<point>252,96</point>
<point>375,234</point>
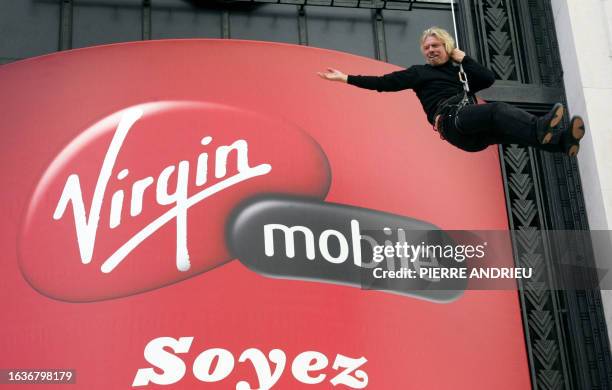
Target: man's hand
<point>457,55</point>
<point>333,75</point>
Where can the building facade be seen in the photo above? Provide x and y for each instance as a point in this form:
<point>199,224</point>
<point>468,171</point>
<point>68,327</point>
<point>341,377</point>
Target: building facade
<point>540,52</point>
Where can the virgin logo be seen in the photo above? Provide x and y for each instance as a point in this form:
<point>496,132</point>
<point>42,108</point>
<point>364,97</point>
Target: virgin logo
<point>149,188</point>
<point>87,223</point>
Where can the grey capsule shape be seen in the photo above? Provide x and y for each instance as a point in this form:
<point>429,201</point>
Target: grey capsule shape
<point>305,239</point>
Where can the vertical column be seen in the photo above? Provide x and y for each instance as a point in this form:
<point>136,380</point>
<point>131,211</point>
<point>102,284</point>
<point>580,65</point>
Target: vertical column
<point>379,35</point>
<point>564,328</point>
<point>302,26</point>
<point>583,29</point>
<point>146,19</point>
<point>539,303</point>
<point>225,24</point>
<point>65,39</point>
<point>500,30</point>
<point>607,19</point>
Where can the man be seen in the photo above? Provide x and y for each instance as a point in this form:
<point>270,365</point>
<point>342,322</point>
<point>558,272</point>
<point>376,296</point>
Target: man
<point>471,127</point>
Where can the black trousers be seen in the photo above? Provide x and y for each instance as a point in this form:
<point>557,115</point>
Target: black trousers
<point>479,125</point>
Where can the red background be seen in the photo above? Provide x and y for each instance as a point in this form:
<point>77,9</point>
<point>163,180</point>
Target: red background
<point>382,154</point>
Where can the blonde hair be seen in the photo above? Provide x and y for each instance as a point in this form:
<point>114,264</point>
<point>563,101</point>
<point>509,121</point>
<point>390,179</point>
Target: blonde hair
<point>442,35</point>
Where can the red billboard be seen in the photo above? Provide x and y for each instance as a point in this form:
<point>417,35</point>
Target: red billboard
<point>137,176</point>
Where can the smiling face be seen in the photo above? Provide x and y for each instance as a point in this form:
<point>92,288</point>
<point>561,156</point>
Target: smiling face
<point>434,51</point>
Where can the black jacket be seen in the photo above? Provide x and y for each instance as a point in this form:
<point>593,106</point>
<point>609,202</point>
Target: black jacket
<point>432,84</point>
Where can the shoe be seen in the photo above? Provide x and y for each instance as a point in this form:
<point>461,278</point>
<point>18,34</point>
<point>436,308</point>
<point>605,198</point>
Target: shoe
<point>575,133</point>
<point>547,123</point>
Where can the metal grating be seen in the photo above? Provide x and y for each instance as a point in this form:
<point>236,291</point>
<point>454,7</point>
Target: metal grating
<point>397,5</point>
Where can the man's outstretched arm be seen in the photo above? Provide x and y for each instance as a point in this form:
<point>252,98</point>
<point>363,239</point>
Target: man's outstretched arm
<point>395,81</point>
